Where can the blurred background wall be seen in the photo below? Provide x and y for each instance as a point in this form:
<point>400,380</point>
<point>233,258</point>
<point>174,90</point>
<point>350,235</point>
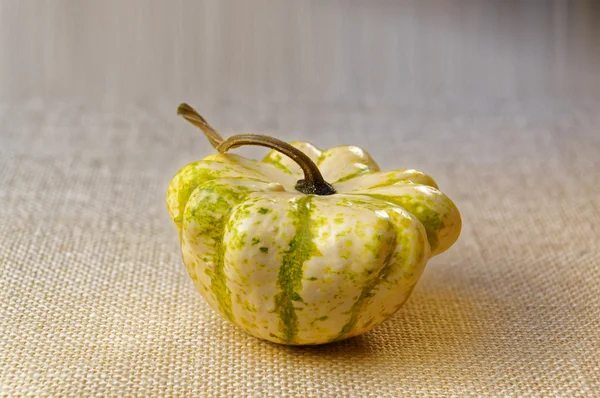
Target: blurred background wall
<point>347,53</point>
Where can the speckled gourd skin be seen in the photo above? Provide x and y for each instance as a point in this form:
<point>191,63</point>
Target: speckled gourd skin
<point>305,269</point>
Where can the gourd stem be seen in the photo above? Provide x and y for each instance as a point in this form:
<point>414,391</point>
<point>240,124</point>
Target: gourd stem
<point>313,182</point>
<point>194,117</point>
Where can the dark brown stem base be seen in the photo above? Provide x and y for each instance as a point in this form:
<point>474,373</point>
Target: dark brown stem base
<point>308,189</point>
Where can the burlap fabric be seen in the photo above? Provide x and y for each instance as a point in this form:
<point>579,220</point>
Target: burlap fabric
<point>95,301</point>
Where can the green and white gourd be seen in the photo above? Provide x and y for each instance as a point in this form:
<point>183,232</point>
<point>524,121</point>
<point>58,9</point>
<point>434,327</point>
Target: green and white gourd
<point>305,268</point>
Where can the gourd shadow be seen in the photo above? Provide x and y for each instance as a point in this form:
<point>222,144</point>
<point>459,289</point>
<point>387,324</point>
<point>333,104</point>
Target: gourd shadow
<point>437,323</point>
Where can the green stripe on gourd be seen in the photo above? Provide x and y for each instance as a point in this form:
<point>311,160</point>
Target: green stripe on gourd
<point>289,281</point>
<point>209,210</point>
<point>188,178</point>
<point>414,176</point>
<point>275,160</point>
<point>358,306</point>
<point>350,176</point>
<point>423,211</point>
<point>376,248</point>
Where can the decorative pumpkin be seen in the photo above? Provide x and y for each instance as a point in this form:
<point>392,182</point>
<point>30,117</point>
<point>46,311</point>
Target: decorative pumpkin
<point>305,246</point>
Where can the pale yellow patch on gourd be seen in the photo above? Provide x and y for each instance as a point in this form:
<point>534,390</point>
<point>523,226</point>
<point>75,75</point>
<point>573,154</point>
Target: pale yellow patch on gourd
<point>203,227</point>
<point>334,280</point>
<point>407,264</point>
<point>384,178</point>
<point>344,162</point>
<point>434,209</point>
<point>252,269</point>
<point>338,163</point>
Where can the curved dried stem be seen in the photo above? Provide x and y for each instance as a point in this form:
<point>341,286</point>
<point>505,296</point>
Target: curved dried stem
<point>197,120</point>
<point>313,182</point>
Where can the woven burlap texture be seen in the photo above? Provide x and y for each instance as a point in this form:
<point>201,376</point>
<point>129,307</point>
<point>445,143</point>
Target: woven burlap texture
<point>95,301</point>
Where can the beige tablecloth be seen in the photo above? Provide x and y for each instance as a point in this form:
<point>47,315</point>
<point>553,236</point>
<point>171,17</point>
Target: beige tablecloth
<point>95,301</point>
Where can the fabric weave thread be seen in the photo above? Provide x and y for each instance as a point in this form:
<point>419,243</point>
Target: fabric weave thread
<point>95,300</point>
